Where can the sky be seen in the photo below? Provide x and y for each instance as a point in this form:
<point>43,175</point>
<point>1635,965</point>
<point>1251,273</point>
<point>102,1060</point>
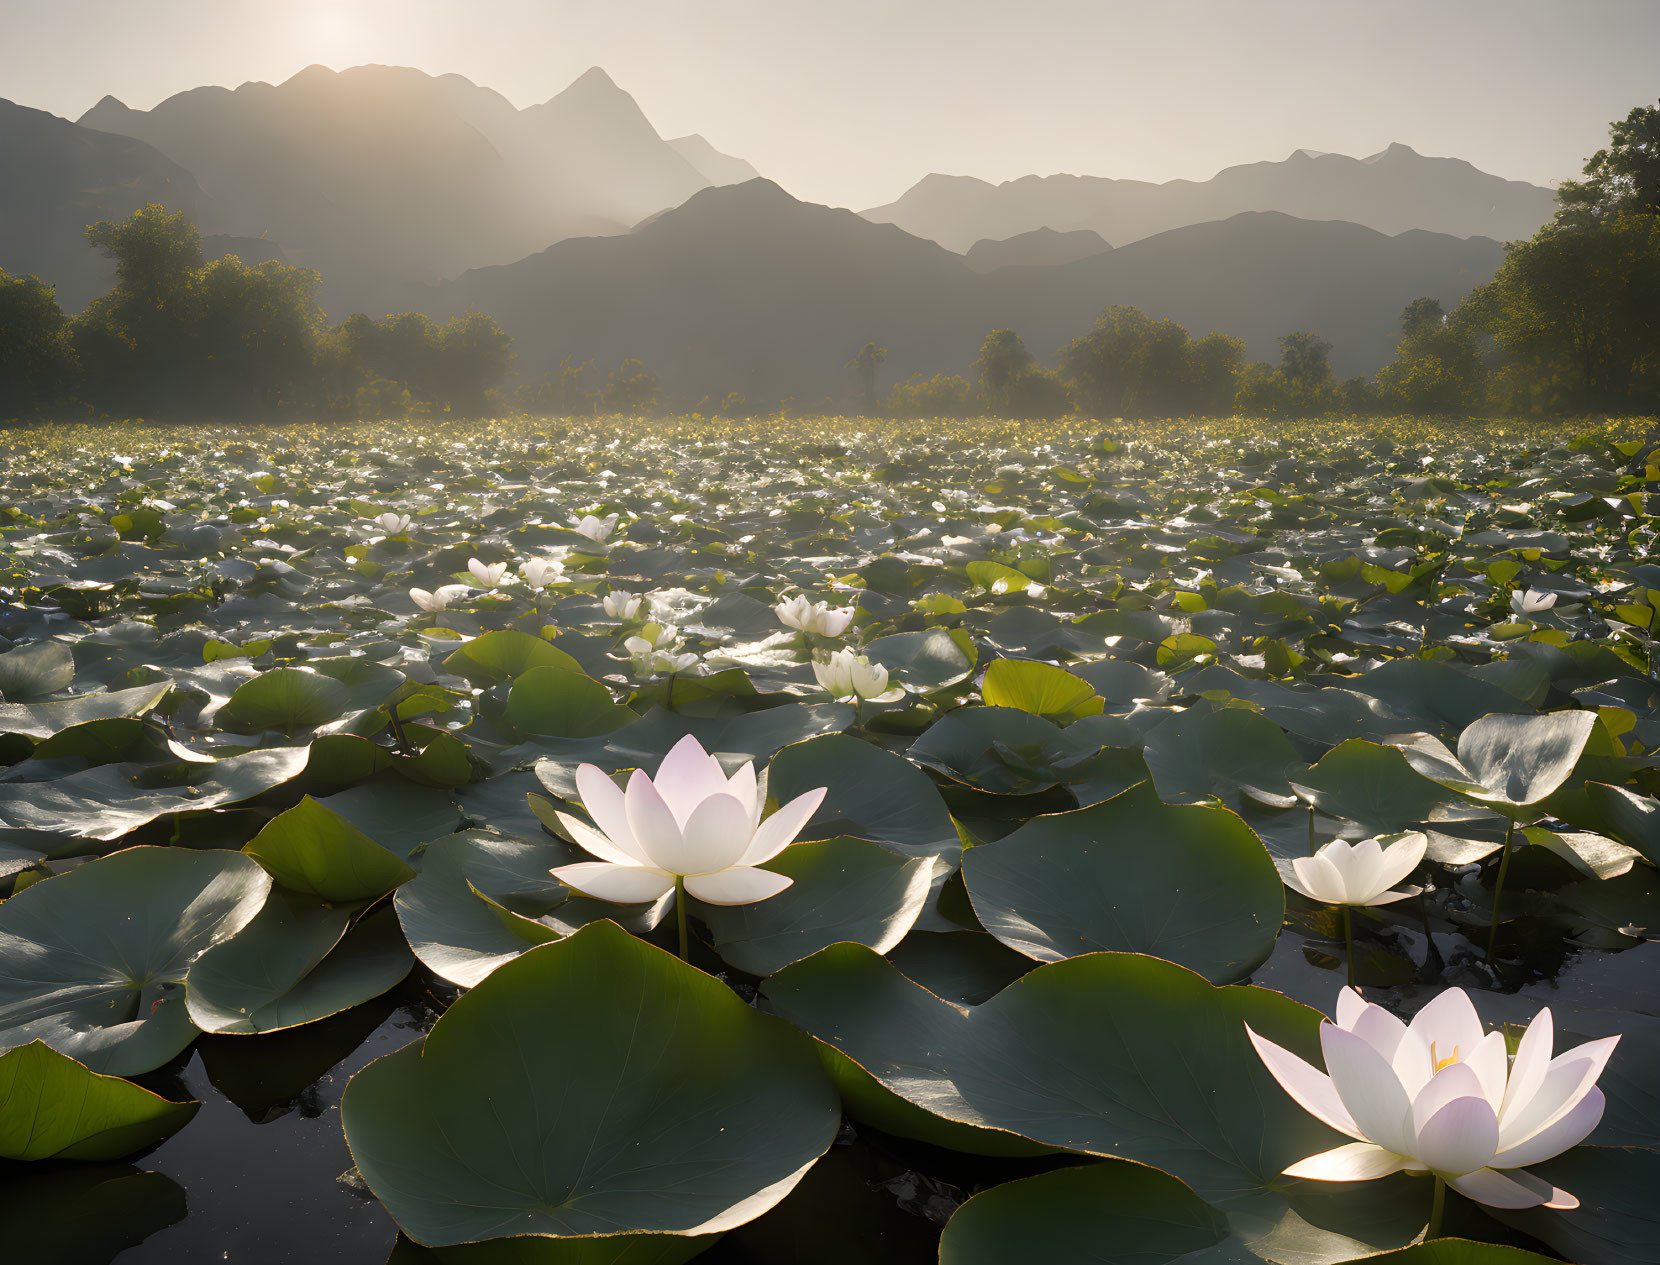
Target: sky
<point>852,102</point>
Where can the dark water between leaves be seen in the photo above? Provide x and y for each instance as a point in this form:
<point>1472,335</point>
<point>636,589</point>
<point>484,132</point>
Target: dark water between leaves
<point>263,1175</point>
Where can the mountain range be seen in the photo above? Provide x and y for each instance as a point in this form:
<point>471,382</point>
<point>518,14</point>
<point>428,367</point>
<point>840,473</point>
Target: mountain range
<point>1392,191</point>
<point>385,178</point>
<point>747,289</point>
<point>407,190</point>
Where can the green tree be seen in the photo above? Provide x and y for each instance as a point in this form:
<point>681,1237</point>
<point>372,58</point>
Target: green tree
<point>1574,315</point>
<point>1624,177</point>
<point>183,337</point>
<point>939,396</point>
<point>1305,360</point>
<point>630,389</point>
<point>1436,367</point>
<point>864,365</point>
<point>1104,365</point>
<point>37,355</point>
<point>473,358</point>
<point>1003,356</point>
<point>1215,362</point>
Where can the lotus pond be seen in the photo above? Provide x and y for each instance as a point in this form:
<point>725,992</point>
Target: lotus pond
<point>1023,884</point>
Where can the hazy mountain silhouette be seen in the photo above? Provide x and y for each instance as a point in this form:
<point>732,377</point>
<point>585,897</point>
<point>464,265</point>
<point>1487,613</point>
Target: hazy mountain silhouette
<point>746,289</point>
<point>1042,246</point>
<point>1392,191</point>
<point>714,166</point>
<point>384,177</point>
<point>60,178</point>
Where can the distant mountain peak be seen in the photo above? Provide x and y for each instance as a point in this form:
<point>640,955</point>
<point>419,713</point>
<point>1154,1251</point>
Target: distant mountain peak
<point>1394,151</point>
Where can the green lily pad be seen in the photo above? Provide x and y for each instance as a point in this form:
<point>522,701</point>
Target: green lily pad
<point>98,957</point>
<point>294,964</point>
<point>871,793</point>
<point>1110,1054</point>
<point>1372,786</point>
<point>925,661</point>
<point>1617,1221</point>
<point>1010,752</point>
<point>312,850</point>
<point>1634,818</point>
<point>108,802</point>
<point>1508,762</point>
<point>285,699</point>
<point>1112,1213</point>
<point>41,721</point>
<point>565,703</point>
<point>844,889</point>
<point>504,655</point>
<point>53,1108</point>
<point>1232,754</point>
<point>1039,688</point>
<point>461,937</point>
<point>1189,884</point>
<point>462,1140</point>
<point>34,669</point>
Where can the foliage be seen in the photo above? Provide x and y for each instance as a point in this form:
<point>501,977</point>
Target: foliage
<point>1134,672</point>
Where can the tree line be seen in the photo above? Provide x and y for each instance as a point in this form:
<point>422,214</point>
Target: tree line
<point>178,336</point>
<point>1570,323</point>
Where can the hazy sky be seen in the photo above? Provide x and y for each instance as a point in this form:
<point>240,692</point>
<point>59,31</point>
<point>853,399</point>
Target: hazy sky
<point>851,101</point>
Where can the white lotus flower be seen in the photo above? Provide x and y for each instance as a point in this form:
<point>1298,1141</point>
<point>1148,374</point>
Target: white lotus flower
<point>597,529</point>
<point>814,617</point>
<point>440,598</point>
<point>541,572</point>
<point>393,524</point>
<point>1531,602</point>
<point>659,652</point>
<point>488,577</point>
<point>691,822</point>
<point>1440,1096</point>
<point>1357,873</point>
<point>847,675</point>
<point>623,605</point>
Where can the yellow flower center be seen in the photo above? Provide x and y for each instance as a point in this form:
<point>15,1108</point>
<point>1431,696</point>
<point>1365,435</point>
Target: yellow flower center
<point>1439,1063</point>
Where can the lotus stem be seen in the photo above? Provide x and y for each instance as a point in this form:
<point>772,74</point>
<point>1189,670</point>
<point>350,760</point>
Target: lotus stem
<point>1311,848</point>
<point>680,913</point>
<point>1498,888</point>
<point>858,712</point>
<point>1349,943</point>
<point>668,702</point>
<point>1433,1230</point>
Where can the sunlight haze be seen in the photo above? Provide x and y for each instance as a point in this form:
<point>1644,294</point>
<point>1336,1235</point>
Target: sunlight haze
<point>850,104</point>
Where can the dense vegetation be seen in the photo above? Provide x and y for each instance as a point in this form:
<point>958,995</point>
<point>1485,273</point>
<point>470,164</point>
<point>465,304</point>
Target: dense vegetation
<point>291,715</point>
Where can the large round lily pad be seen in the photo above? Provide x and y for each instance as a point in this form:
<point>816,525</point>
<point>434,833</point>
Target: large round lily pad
<point>97,959</point>
<point>1190,884</point>
<point>842,889</point>
<point>594,1086</point>
<point>53,1108</point>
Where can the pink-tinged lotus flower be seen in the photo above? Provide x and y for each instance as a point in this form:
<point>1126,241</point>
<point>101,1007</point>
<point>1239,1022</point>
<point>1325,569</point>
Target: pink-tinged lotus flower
<point>1356,874</point>
<point>690,823</point>
<point>596,529</point>
<point>813,617</point>
<point>487,577</point>
<point>847,675</point>
<point>541,572</point>
<point>440,597</point>
<point>1441,1096</point>
<point>623,605</point>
